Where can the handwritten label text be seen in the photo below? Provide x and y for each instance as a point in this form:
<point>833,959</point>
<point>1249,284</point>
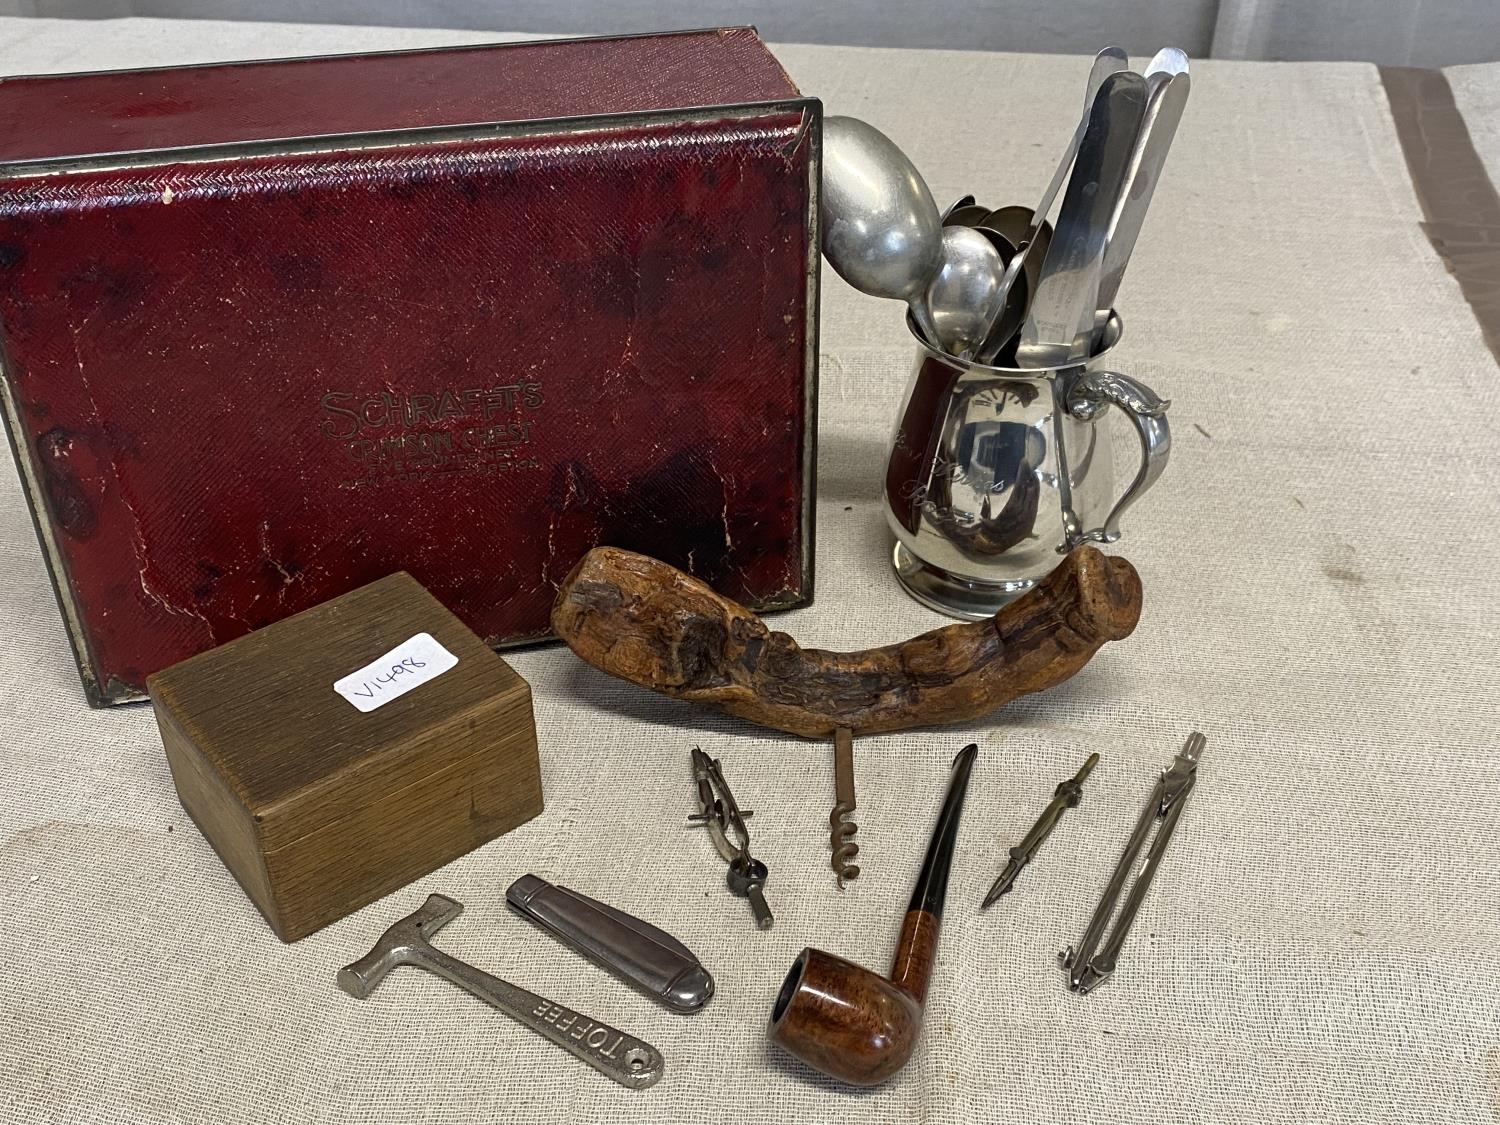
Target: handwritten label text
<point>408,665</point>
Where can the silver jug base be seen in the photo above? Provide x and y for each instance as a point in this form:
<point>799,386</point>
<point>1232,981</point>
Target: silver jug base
<point>949,594</point>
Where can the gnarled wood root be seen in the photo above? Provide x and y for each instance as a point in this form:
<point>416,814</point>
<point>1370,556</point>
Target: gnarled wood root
<point>644,621</point>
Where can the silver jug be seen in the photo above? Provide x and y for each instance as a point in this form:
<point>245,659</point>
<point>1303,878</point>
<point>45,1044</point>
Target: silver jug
<point>995,473</point>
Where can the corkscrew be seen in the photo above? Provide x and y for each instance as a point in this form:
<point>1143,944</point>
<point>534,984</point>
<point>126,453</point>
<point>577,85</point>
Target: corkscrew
<point>843,829</point>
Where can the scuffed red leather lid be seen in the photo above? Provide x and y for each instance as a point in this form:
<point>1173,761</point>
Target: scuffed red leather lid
<point>238,388</point>
<point>53,117</point>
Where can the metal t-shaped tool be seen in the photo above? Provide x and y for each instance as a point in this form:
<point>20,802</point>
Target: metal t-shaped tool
<point>627,1060</point>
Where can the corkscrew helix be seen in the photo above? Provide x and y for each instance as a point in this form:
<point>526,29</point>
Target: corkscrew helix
<point>843,829</point>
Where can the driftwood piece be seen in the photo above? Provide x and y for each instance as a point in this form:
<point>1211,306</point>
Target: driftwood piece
<point>644,621</point>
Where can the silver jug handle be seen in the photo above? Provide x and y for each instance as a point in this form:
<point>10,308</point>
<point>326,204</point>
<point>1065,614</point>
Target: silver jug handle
<point>1090,394</point>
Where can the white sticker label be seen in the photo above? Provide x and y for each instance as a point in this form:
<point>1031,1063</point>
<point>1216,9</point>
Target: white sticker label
<point>410,664</point>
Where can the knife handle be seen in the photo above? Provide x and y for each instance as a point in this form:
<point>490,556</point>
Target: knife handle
<point>637,952</point>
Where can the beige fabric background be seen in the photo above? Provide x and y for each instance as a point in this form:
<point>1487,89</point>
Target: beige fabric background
<point>1321,944</point>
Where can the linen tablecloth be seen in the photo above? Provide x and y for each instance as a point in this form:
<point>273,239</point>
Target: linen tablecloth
<point>1322,943</point>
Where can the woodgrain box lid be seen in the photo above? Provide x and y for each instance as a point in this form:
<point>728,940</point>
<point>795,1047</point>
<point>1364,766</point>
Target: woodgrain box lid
<point>263,711</point>
<point>318,807</point>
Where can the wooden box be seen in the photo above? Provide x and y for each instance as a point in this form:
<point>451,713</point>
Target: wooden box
<point>320,802</point>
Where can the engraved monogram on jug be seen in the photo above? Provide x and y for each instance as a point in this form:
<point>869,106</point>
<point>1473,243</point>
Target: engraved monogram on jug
<point>994,472</point>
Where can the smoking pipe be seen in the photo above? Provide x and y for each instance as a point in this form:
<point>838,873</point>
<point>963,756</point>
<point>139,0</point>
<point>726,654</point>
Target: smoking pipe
<point>849,1022</point>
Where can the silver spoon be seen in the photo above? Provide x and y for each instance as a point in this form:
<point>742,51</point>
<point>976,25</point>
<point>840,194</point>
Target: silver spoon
<point>968,216</point>
<point>965,297</point>
<point>1013,224</point>
<point>881,230</point>
<point>961,201</point>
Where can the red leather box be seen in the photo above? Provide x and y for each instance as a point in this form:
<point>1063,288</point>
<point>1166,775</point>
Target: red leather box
<point>274,330</point>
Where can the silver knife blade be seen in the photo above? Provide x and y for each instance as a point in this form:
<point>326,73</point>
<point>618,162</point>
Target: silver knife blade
<point>1167,62</point>
<point>1163,111</point>
<point>1111,60</point>
<point>1059,327</point>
